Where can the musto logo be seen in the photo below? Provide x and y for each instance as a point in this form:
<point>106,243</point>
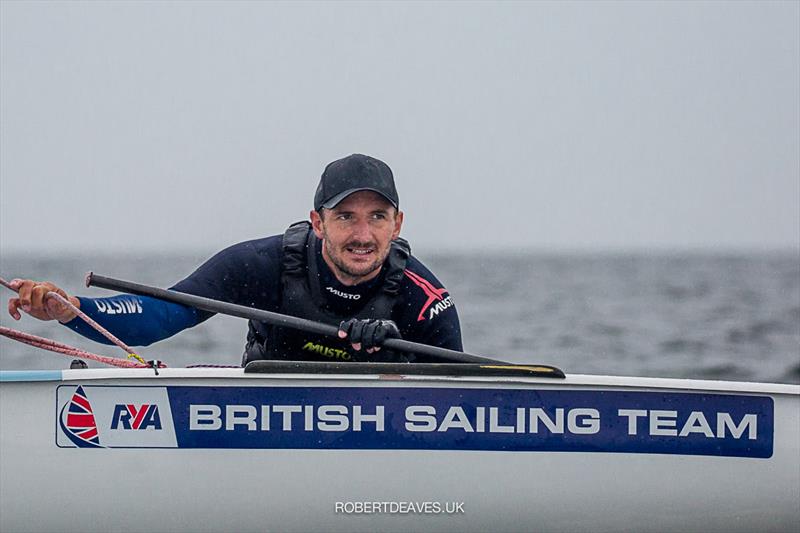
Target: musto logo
<point>94,416</point>
<point>436,301</point>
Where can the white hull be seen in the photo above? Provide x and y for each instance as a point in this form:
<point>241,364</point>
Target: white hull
<point>46,484</point>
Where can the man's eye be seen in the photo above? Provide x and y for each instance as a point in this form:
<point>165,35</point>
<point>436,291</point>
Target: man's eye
<point>343,216</point>
<point>379,216</point>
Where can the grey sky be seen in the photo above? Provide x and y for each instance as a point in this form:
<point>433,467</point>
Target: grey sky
<point>195,125</point>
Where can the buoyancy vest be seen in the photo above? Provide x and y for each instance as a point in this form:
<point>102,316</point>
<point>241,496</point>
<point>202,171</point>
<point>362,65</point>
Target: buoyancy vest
<point>302,297</point>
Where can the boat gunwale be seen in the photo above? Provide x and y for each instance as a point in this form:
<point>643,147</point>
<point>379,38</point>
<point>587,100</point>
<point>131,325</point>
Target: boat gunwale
<point>571,380</point>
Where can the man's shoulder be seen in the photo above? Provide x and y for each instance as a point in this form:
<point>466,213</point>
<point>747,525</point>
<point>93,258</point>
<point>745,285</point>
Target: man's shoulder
<point>425,294</point>
<point>417,274</point>
<point>262,246</point>
<point>428,315</point>
<point>255,255</point>
<point>231,274</point>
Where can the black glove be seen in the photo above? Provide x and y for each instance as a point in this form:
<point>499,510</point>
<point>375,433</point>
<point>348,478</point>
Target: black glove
<point>368,334</point>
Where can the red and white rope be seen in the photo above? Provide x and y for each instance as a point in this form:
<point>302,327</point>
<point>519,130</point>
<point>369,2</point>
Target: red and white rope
<point>65,349</point>
<point>54,346</point>
<point>100,329</point>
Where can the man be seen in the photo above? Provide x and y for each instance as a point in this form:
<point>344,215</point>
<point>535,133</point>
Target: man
<point>347,267</point>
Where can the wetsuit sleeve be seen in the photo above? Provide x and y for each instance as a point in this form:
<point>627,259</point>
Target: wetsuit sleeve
<point>135,320</point>
<point>246,273</point>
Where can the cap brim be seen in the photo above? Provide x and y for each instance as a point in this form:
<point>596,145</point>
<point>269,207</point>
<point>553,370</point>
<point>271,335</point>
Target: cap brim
<point>333,202</point>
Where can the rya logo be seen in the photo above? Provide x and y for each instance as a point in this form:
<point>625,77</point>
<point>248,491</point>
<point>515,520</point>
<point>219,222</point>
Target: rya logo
<point>129,416</point>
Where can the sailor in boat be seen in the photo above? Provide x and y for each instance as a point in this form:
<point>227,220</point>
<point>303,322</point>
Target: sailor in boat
<point>346,266</point>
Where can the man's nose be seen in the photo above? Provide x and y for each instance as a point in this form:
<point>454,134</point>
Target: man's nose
<point>361,230</point>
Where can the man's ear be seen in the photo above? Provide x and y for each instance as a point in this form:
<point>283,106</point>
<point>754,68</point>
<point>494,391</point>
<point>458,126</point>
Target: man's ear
<point>316,223</point>
<point>398,224</point>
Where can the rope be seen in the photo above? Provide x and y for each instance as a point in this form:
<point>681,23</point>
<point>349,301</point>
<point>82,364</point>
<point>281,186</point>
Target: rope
<point>54,346</point>
<point>100,329</point>
<point>65,349</point>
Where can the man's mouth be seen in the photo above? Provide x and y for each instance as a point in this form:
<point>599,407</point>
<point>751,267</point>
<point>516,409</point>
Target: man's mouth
<point>360,250</point>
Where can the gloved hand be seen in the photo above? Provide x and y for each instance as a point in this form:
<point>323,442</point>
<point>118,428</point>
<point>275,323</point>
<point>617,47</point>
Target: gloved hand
<point>368,333</point>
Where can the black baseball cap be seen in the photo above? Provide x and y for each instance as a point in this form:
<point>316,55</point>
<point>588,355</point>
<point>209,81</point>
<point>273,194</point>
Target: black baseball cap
<point>351,174</point>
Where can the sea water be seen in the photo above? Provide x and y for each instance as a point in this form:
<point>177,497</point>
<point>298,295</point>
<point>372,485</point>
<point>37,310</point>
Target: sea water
<point>732,316</point>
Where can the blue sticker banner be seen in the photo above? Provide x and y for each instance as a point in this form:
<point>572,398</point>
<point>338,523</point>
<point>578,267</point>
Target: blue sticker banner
<point>514,420</point>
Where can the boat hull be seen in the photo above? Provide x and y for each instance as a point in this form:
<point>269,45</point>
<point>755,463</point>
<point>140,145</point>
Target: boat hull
<point>226,470</point>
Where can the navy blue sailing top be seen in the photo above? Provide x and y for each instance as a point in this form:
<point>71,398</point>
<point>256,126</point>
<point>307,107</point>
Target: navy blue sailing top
<point>249,274</point>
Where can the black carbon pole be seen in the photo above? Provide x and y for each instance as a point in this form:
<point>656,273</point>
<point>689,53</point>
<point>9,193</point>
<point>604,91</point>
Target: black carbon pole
<point>275,319</point>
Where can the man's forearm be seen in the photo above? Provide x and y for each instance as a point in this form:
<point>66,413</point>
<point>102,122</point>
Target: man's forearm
<point>135,320</point>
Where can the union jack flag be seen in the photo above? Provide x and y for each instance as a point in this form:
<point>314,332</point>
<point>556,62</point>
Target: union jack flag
<point>80,425</point>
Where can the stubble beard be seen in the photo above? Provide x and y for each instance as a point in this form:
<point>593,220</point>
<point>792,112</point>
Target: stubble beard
<point>335,256</point>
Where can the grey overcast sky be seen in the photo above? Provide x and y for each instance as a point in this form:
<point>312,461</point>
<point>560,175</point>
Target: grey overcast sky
<point>194,125</point>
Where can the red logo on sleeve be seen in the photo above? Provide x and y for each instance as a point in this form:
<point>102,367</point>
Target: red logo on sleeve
<point>433,294</point>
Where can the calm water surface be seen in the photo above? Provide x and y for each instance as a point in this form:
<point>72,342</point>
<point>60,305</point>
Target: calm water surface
<point>700,315</point>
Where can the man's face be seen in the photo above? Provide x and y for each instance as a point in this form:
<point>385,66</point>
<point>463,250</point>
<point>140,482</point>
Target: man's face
<point>357,234</point>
